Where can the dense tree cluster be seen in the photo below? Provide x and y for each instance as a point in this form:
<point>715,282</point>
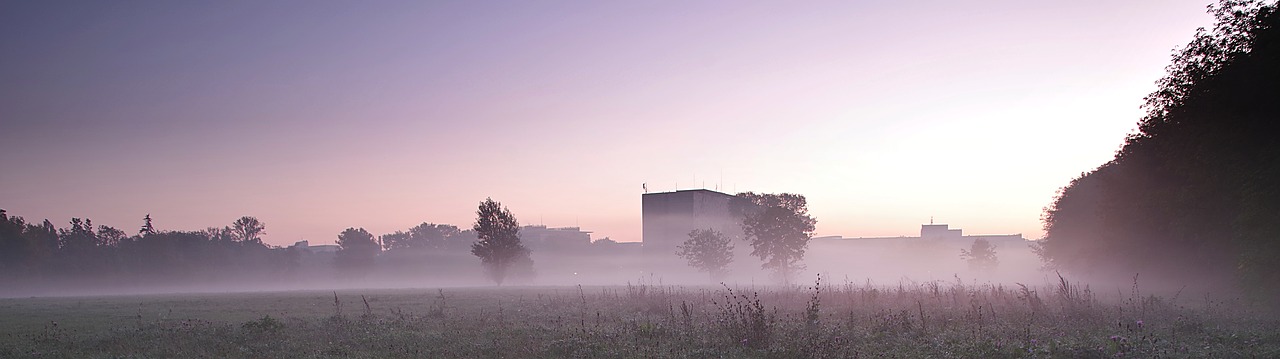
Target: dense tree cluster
<point>1194,195</point>
<point>429,237</point>
<point>40,252</point>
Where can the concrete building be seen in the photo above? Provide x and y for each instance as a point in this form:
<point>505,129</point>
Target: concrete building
<point>543,237</point>
<point>942,232</point>
<point>669,217</point>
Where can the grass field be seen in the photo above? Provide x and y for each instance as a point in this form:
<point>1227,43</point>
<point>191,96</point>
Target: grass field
<point>932,319</point>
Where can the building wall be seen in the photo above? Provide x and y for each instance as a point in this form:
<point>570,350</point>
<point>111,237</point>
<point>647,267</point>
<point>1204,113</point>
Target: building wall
<point>668,218</point>
<point>543,237</point>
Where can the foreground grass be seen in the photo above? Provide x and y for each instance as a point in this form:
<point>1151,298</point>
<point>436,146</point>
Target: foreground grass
<point>845,320</point>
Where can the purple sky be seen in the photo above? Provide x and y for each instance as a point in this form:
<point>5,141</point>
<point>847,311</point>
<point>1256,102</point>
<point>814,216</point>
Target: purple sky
<point>315,116</point>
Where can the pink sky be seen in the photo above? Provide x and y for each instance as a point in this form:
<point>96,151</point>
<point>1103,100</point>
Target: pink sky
<point>318,116</point>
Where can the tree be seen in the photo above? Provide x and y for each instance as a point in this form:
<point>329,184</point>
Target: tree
<point>779,228</point>
<point>425,236</point>
<point>981,255</point>
<point>499,246</point>
<point>79,238</point>
<point>395,241</point>
<point>356,249</point>
<point>248,230</point>
<point>1194,195</point>
<point>707,250</point>
<point>147,229</point>
<point>14,247</point>
<point>109,236</point>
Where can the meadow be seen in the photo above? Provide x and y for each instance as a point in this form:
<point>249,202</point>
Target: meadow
<point>646,320</point>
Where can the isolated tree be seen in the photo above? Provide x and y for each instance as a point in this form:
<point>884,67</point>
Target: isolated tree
<point>248,230</point>
<point>779,228</point>
<point>356,249</point>
<point>709,251</point>
<point>981,255</point>
<point>147,229</point>
<point>499,246</point>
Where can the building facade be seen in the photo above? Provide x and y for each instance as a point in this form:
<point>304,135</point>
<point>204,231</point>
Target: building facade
<point>668,217</point>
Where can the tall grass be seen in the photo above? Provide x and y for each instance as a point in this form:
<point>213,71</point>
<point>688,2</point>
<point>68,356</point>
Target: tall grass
<point>906,319</point>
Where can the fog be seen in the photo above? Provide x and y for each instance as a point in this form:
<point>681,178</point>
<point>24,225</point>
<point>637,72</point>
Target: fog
<point>88,260</point>
<point>875,261</point>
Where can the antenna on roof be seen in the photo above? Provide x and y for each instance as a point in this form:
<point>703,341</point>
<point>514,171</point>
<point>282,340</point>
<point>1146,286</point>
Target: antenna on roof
<point>930,219</point>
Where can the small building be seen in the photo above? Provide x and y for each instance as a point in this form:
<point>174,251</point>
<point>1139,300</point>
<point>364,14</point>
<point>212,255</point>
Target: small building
<point>319,248</point>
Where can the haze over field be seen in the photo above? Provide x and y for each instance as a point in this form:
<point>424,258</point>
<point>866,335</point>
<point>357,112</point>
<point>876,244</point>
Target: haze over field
<point>319,116</point>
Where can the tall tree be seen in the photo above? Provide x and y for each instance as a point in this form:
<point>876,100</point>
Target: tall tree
<point>79,238</point>
<point>499,246</point>
<point>248,230</point>
<point>356,249</point>
<point>14,247</point>
<point>1192,197</point>
<point>147,229</point>
<point>708,251</point>
<point>779,229</point>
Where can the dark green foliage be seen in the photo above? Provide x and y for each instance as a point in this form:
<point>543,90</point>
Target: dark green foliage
<point>499,246</point>
<point>707,250</point>
<point>425,236</point>
<point>35,255</point>
<point>1190,198</point>
<point>248,231</point>
<point>356,249</point>
<point>778,227</point>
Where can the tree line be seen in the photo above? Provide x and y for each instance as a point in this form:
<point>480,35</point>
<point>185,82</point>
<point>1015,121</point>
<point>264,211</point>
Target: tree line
<point>1193,197</point>
<point>41,252</point>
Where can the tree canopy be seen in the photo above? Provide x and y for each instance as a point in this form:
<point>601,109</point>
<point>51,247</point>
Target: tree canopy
<point>356,248</point>
<point>779,228</point>
<point>707,250</point>
<point>499,246</point>
<point>1194,195</point>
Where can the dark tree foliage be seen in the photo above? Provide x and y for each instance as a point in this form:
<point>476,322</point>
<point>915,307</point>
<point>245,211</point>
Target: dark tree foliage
<point>707,250</point>
<point>1194,196</point>
<point>981,255</point>
<point>778,227</point>
<point>425,236</point>
<point>356,249</point>
<point>33,253</point>
<point>499,246</point>
<point>147,229</point>
<point>248,231</point>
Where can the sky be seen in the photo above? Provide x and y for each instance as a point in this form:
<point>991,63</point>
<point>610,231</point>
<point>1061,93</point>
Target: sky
<point>316,116</point>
